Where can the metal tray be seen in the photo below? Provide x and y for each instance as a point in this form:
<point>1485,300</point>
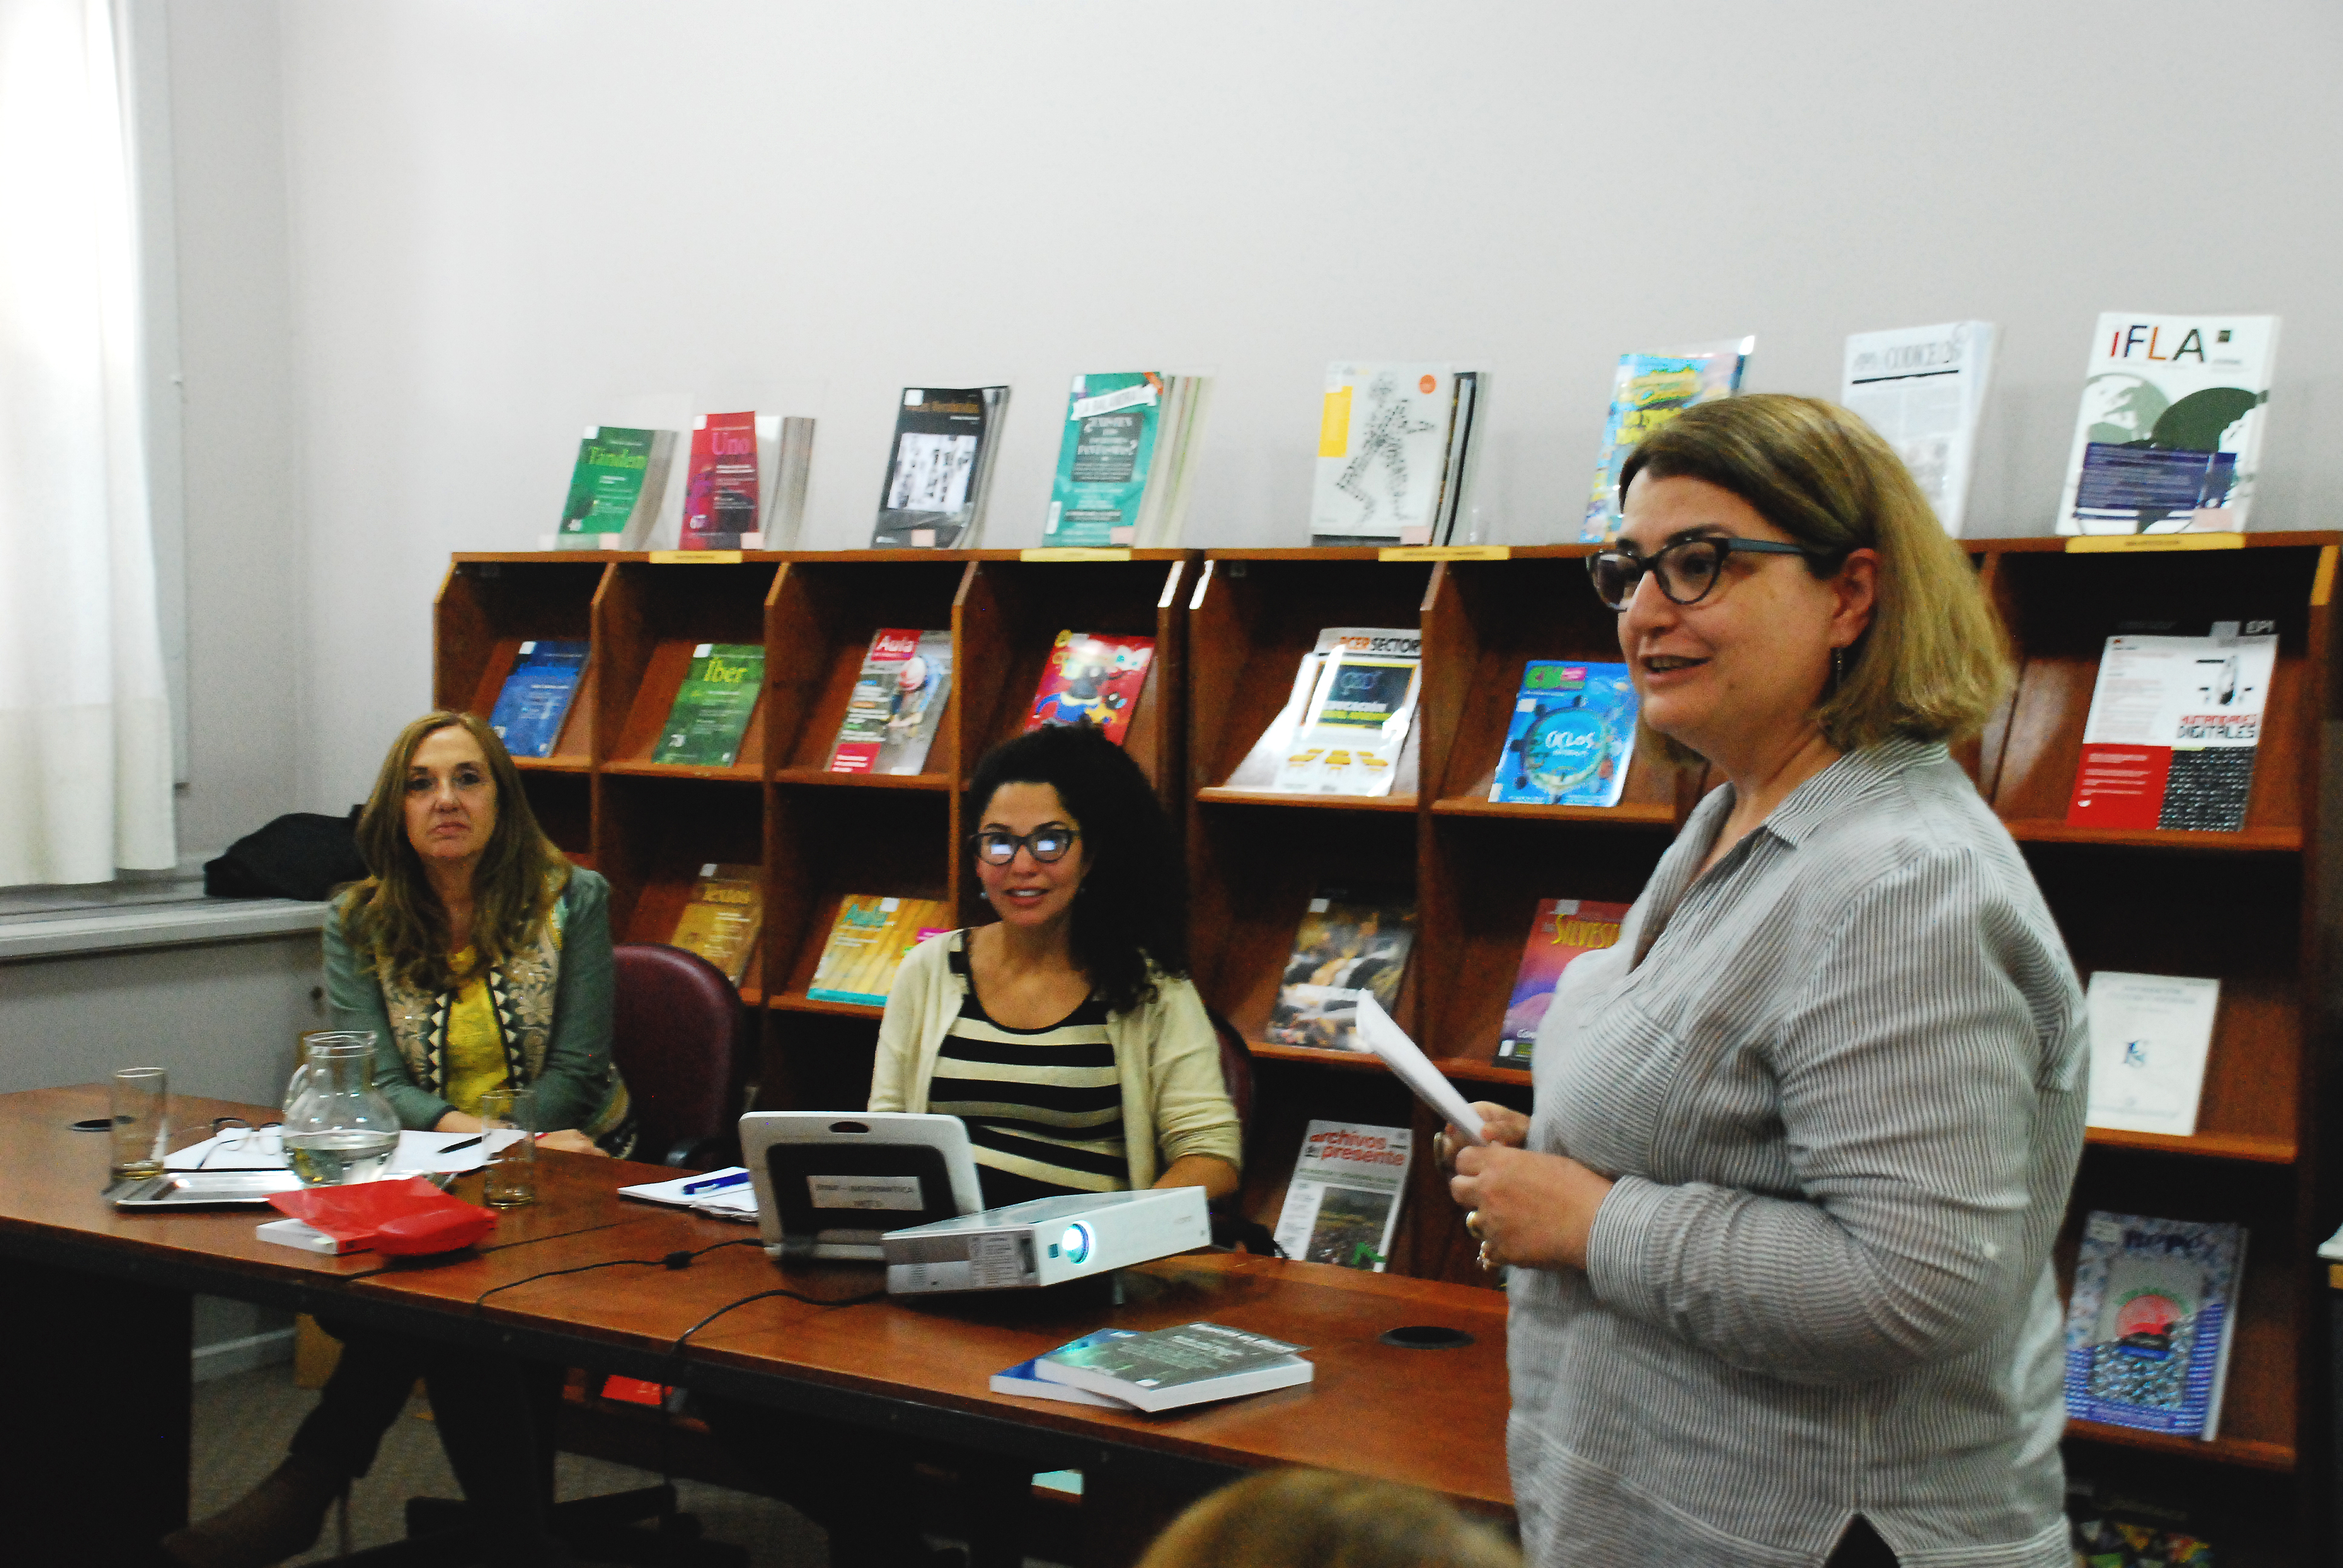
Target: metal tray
<point>202,1189</point>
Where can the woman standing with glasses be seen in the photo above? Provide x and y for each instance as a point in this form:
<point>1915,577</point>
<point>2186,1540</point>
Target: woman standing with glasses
<point>1779,1226</point>
<point>1066,1035</point>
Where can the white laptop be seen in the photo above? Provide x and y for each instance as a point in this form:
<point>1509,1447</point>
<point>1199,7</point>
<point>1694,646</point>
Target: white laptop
<point>830,1183</point>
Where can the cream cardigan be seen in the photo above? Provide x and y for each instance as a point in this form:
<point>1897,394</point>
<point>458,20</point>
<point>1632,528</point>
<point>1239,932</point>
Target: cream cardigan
<point>1166,1053</point>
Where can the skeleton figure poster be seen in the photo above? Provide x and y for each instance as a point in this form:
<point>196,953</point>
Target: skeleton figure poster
<point>1382,453</point>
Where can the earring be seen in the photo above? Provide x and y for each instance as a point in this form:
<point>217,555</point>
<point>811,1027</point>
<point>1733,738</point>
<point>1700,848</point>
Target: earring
<point>1838,669</point>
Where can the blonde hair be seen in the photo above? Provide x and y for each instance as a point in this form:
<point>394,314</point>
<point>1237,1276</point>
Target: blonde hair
<point>1317,1519</point>
<point>1934,662</point>
<point>394,914</point>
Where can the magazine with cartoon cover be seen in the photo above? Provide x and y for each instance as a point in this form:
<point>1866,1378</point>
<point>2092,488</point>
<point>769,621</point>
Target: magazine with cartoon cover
<point>1350,940</point>
<point>1382,453</point>
<point>2173,726</point>
<point>1648,390</point>
<point>2149,1324</point>
<point>1259,770</point>
<point>1105,459</point>
<point>1563,930</point>
<point>897,704</point>
<point>1092,678</point>
<point>2168,440</point>
<point>1572,736</point>
<point>1923,389</point>
<point>1342,1205</point>
<point>939,469</point>
<point>1350,740</point>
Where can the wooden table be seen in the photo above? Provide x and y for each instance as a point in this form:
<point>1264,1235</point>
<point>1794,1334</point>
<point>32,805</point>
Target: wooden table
<point>96,1306</point>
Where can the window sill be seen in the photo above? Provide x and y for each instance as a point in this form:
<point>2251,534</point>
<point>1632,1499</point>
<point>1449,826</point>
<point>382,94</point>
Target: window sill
<point>60,933</point>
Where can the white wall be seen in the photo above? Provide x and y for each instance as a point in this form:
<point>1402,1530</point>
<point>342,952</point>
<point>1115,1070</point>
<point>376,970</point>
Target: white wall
<point>506,219</point>
<point>244,589</point>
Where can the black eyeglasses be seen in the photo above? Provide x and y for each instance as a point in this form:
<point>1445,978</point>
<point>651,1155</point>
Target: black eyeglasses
<point>1688,570</point>
<point>1048,842</point>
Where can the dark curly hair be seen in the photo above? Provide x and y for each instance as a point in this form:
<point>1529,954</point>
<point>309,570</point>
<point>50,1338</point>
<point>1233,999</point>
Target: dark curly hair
<point>1130,922</point>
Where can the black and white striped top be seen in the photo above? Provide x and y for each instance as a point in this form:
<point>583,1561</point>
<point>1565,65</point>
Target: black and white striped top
<point>1043,1107</point>
<point>1837,1079</point>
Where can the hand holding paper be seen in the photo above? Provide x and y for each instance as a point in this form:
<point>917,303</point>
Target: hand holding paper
<point>1379,1034</point>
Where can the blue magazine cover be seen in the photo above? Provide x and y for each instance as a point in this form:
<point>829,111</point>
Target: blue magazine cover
<point>2148,1326</point>
<point>536,698</point>
<point>1572,730</point>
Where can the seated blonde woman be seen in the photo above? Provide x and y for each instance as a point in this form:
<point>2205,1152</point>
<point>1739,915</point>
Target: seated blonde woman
<point>479,958</point>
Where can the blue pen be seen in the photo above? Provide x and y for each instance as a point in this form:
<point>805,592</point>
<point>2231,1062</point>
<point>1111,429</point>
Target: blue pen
<point>715,1183</point>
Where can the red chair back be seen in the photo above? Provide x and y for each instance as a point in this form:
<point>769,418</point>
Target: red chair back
<point>678,1024</point>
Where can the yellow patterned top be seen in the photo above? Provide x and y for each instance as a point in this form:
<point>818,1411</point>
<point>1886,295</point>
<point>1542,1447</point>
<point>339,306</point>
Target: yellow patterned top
<point>475,1046</point>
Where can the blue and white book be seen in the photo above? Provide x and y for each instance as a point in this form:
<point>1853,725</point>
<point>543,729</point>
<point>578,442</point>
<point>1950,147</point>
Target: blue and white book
<point>1022,1381</point>
<point>1572,736</point>
<point>2151,1320</point>
<point>535,701</point>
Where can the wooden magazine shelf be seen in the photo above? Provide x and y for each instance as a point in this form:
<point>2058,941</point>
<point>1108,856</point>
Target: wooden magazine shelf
<point>2255,909</point>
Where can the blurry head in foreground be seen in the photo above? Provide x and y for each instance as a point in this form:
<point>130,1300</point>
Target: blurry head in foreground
<point>1317,1519</point>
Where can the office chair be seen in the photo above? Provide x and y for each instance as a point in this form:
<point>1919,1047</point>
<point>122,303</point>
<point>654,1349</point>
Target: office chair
<point>677,1029</point>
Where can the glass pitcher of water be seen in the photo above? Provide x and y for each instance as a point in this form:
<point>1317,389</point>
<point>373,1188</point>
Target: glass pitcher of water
<point>337,1129</point>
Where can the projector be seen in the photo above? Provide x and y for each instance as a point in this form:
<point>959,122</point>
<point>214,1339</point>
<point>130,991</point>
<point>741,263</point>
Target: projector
<point>1045,1241</point>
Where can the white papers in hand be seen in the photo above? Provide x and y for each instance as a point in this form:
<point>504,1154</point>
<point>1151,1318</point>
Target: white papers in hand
<point>1379,1034</point>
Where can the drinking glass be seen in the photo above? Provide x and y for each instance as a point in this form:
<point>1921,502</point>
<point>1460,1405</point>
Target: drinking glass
<point>139,1098</point>
<point>509,1136</point>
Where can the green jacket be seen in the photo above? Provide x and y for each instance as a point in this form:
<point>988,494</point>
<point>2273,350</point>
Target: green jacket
<point>557,1009</point>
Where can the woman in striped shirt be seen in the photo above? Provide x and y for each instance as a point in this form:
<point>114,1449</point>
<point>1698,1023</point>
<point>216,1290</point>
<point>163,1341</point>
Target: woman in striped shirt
<point>1067,1036</point>
<point>1780,1224</point>
<point>1065,1033</point>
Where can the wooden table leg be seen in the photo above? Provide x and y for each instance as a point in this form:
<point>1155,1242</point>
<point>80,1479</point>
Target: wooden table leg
<point>93,1415</point>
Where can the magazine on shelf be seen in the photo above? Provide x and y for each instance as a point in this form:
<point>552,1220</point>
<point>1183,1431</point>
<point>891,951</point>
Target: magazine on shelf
<point>2151,1320</point>
<point>713,706</point>
<point>2168,438</point>
<point>940,469</point>
<point>1092,678</point>
<point>2173,727</point>
<point>1125,459</point>
<point>1386,434</point>
<point>1564,929</point>
<point>867,943</point>
<point>1572,736</point>
<point>723,917</point>
<point>1350,739</point>
<point>1342,1205</point>
<point>721,489</point>
<point>616,488</point>
<point>784,467</point>
<point>1647,391</point>
<point>1259,770</point>
<point>2150,1036</point>
<point>1170,1368</point>
<point>1923,388</point>
<point>534,703</point>
<point>1351,940</point>
<point>897,704</point>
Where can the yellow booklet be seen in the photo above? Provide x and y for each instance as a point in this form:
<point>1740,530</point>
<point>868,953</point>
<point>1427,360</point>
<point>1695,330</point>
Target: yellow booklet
<point>867,942</point>
<point>721,922</point>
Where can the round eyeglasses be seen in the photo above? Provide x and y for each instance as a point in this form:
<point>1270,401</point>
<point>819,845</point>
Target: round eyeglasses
<point>1689,571</point>
<point>1048,842</point>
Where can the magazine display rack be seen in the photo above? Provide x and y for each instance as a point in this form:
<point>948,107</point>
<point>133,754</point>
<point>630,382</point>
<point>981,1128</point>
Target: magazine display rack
<point>2251,908</point>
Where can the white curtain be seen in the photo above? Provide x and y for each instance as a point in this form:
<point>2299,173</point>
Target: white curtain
<point>85,722</point>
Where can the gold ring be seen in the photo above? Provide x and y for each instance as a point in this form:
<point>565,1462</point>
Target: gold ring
<point>1487,1262</point>
<point>1472,1226</point>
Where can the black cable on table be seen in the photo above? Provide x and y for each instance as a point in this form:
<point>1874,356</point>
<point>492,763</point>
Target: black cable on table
<point>675,1260</point>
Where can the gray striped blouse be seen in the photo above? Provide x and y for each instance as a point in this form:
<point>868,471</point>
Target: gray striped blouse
<point>1839,1082</point>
